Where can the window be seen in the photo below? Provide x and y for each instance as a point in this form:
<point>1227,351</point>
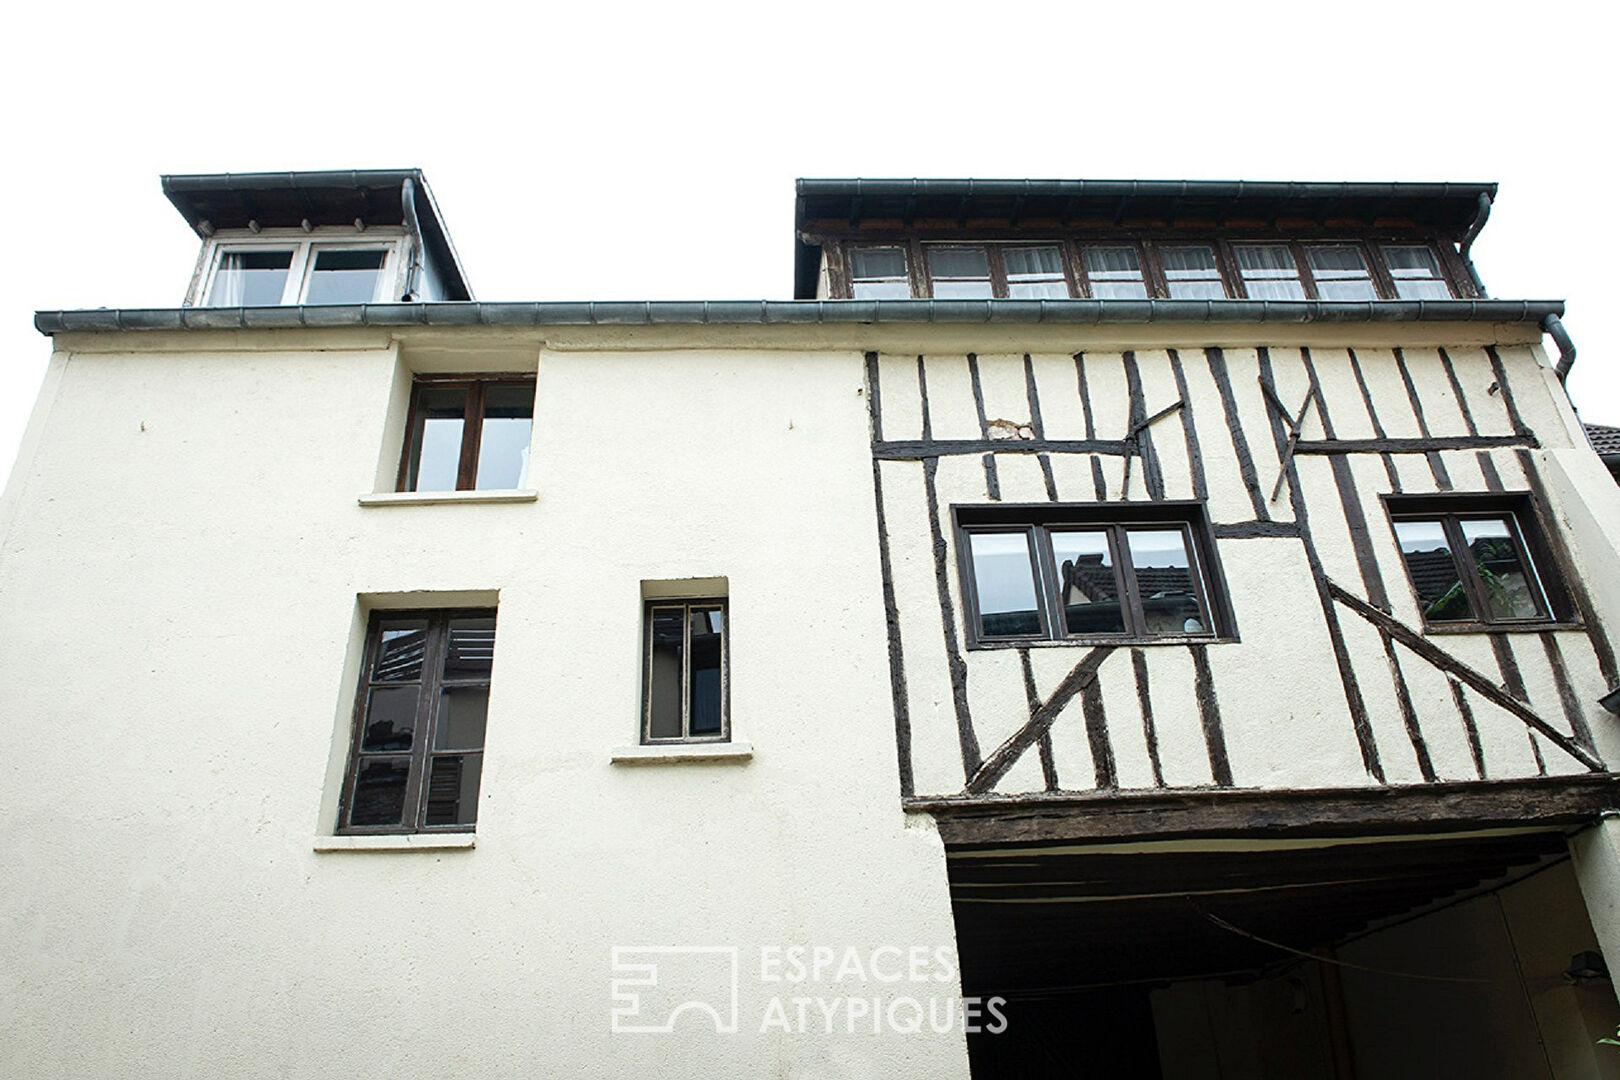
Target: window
<point>1191,273</point>
<point>1340,272</point>
<point>1113,273</point>
<point>300,272</point>
<point>468,434</point>
<point>1470,561</point>
<point>1035,273</point>
<point>1416,272</point>
<point>879,273</point>
<point>684,689</point>
<point>1269,272</point>
<point>419,722</point>
<point>959,273</point>
<point>1102,571</point>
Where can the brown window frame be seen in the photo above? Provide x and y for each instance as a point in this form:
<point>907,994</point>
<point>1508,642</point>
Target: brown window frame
<point>421,754</point>
<point>1554,606</point>
<point>1035,520</point>
<point>686,604</point>
<point>472,427</point>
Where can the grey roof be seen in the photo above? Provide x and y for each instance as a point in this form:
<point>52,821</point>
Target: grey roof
<point>1447,209</point>
<point>1605,440</point>
<point>773,312</point>
<point>210,201</point>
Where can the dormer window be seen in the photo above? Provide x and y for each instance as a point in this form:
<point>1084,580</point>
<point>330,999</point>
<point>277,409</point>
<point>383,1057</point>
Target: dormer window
<point>879,273</point>
<point>306,272</point>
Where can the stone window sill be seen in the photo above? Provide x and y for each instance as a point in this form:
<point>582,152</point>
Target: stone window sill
<point>398,842</point>
<point>681,753</point>
<point>432,498</point>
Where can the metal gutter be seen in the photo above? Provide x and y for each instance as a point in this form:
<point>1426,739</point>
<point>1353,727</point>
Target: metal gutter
<point>1184,189</point>
<point>1466,245</point>
<point>1566,347</point>
<point>788,312</point>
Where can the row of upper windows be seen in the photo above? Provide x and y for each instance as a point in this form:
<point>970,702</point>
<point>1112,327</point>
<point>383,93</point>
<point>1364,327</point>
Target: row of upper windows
<point>422,708</point>
<point>1181,270</point>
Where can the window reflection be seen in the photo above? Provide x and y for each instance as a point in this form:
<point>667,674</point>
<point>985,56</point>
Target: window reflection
<point>1507,589</point>
<point>1088,584</point>
<point>1435,576</point>
<point>1164,581</point>
<point>1004,582</point>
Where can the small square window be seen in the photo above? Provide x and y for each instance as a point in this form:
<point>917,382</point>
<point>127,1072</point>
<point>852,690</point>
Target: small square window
<point>1113,273</point>
<point>420,714</point>
<point>468,434</point>
<point>1474,562</point>
<point>878,273</point>
<point>1035,273</point>
<point>685,696</point>
<point>1416,272</point>
<point>1191,272</point>
<point>1088,572</point>
<point>960,273</point>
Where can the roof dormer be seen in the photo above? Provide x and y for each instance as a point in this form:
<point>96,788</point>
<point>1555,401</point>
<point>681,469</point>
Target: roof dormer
<point>274,239</point>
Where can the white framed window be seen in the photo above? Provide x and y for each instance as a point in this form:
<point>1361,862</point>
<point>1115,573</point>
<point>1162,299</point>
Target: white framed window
<point>297,268</point>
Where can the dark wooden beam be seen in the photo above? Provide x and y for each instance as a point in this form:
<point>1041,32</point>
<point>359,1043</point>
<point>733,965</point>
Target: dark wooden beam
<point>1542,801</point>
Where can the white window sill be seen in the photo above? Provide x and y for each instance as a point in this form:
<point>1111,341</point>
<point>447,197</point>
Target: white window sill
<point>397,842</point>
<point>429,498</point>
<point>674,753</point>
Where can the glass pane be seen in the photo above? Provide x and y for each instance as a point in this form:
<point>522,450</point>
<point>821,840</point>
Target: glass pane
<point>390,718</point>
<point>1032,262</point>
<point>1421,289</point>
<point>379,791</point>
<point>1113,273</point>
<point>1411,261</point>
<point>463,711</point>
<point>344,277</point>
<point>1510,592</point>
<point>1033,289</point>
<point>436,446</point>
<point>1433,571</point>
<point>958,262</point>
<point>708,694</point>
<point>399,654</point>
<point>664,674</point>
<point>1087,584</point>
<point>1192,273</point>
<point>503,446</point>
<point>470,649</point>
<point>879,274</point>
<point>1269,272</point>
<point>1339,272</point>
<point>250,278</point>
<point>452,794</point>
<point>1274,290</point>
<point>1199,290</point>
<point>1004,579</point>
<point>1164,580</point>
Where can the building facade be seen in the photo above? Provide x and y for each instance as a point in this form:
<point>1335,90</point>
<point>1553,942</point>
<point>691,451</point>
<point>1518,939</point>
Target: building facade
<point>1094,629</point>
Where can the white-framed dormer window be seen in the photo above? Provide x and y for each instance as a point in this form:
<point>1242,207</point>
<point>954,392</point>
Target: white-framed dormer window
<point>297,268</point>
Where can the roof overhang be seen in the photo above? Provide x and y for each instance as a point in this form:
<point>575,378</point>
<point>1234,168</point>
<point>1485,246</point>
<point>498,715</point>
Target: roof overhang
<point>213,201</point>
<point>1446,209</point>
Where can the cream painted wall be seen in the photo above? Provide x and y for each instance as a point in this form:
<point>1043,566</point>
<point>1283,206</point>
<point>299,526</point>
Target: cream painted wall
<point>178,599</point>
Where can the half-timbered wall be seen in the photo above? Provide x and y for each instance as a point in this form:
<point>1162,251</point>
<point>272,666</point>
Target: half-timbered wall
<point>1328,680</point>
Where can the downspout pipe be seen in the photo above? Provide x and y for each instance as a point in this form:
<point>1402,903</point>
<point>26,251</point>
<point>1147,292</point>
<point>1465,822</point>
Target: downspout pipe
<point>413,226</point>
<point>1481,215</point>
<point>1566,347</point>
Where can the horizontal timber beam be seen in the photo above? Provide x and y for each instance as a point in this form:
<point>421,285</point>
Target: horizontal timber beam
<point>1207,812</point>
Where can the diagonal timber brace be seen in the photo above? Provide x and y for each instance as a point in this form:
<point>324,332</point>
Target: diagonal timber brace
<point>1041,718</point>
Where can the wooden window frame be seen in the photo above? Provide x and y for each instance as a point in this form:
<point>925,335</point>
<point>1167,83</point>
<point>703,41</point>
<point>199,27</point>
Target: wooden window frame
<point>421,754</point>
<point>1553,604</point>
<point>1071,248</point>
<point>303,248</point>
<point>1037,520</point>
<point>685,604</point>
<point>472,429</point>
<point>847,258</point>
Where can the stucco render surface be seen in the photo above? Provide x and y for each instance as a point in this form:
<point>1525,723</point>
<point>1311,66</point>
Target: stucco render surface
<point>181,593</point>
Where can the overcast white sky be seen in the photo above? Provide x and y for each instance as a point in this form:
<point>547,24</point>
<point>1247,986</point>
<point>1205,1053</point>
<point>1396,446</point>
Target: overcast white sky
<point>653,148</point>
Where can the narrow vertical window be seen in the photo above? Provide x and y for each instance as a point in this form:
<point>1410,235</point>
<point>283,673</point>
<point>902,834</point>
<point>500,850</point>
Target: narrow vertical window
<point>684,695</point>
<point>1114,273</point>
<point>1269,272</point>
<point>1340,272</point>
<point>467,435</point>
<point>344,276</point>
<point>1004,584</point>
<point>1416,272</point>
<point>959,273</point>
<point>1035,273</point>
<point>1088,582</point>
<point>1167,582</point>
<point>1191,273</point>
<point>250,278</point>
<point>422,708</point>
<point>878,273</point>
